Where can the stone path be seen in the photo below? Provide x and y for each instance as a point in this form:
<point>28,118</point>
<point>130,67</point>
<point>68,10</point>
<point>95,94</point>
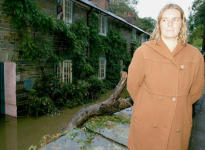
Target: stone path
<point>111,136</point>
<point>78,139</point>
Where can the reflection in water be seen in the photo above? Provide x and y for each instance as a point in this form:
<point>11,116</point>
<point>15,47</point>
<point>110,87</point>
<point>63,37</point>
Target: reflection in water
<point>19,134</point>
<point>8,133</point>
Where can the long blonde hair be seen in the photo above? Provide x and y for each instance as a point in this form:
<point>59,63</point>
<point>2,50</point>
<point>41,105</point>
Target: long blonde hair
<point>182,37</point>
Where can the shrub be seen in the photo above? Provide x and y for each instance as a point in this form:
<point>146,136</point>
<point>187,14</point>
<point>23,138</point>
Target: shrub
<point>41,105</point>
<point>49,94</point>
<point>96,87</point>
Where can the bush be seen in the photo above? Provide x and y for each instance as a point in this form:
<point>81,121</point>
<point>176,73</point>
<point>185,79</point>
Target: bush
<point>49,94</point>
<point>96,87</point>
<point>41,105</point>
<point>75,94</point>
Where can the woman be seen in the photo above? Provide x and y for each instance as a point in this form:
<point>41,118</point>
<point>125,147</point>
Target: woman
<point>165,77</point>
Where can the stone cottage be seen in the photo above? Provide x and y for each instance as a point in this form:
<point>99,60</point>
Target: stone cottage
<point>16,76</point>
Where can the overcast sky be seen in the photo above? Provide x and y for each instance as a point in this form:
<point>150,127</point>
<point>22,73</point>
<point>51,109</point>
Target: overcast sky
<point>151,8</point>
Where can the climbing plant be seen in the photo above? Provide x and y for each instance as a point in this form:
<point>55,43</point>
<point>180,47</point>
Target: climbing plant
<point>43,40</point>
<point>33,29</point>
<point>113,47</point>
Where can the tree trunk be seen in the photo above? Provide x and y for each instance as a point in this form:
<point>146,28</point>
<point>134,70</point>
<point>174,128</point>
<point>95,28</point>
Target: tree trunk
<point>111,105</point>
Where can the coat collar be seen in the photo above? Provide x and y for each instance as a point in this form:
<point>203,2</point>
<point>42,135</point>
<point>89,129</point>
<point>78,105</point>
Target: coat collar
<point>163,50</point>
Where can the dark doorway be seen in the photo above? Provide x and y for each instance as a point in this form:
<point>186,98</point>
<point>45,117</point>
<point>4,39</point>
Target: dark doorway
<point>2,97</point>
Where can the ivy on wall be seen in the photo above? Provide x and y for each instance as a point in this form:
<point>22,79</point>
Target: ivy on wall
<point>42,40</point>
<point>34,32</point>
<point>113,47</point>
<point>34,27</point>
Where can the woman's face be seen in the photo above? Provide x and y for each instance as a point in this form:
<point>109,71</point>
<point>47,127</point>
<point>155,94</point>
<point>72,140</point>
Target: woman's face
<point>170,24</point>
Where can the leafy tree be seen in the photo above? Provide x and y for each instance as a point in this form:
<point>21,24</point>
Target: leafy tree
<point>197,24</point>
<point>146,23</point>
<point>122,7</point>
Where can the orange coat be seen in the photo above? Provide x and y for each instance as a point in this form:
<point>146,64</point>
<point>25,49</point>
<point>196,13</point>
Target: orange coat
<point>163,86</point>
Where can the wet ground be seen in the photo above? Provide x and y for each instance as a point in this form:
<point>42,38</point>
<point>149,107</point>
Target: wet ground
<point>106,133</point>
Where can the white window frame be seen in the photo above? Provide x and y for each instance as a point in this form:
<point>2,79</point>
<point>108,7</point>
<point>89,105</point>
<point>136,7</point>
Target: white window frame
<point>102,68</point>
<point>64,71</point>
<point>68,11</point>
<point>103,25</point>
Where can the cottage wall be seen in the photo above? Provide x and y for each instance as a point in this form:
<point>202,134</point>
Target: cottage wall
<point>6,47</point>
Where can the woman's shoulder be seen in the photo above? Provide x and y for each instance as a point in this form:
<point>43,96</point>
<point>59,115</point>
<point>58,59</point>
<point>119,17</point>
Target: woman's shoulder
<point>144,48</point>
<point>146,45</point>
<point>193,50</point>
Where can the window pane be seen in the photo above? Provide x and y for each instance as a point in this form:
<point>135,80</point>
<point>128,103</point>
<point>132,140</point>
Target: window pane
<point>102,68</point>
<point>103,24</point>
<point>68,11</point>
<point>64,71</point>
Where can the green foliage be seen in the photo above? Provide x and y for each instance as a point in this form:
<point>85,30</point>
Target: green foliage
<point>69,94</point>
<point>116,50</point>
<point>49,138</point>
<point>197,24</point>
<point>146,23</point>
<point>96,49</point>
<point>81,68</point>
<point>33,29</point>
<point>197,14</point>
<point>121,7</point>
<point>196,37</point>
<point>43,40</point>
<point>96,87</point>
<point>41,105</point>
<point>124,8</point>
<point>106,121</point>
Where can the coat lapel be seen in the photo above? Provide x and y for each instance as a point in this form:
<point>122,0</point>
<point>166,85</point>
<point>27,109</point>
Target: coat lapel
<point>178,48</point>
<point>161,48</point>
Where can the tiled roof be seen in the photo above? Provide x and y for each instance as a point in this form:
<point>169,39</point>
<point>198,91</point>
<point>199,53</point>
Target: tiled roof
<point>86,2</point>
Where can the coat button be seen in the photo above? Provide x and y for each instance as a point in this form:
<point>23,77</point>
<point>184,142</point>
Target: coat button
<point>160,97</point>
<point>178,130</point>
<point>174,99</point>
<point>181,67</point>
<point>154,125</point>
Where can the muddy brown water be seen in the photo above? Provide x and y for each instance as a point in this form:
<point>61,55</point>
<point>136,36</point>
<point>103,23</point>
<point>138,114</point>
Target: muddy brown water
<point>20,133</point>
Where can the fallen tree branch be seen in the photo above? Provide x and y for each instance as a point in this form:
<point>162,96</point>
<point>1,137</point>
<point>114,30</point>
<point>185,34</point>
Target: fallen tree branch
<point>111,105</point>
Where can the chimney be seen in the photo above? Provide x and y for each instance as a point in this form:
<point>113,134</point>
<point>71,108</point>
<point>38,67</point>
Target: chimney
<point>101,3</point>
<point>130,17</point>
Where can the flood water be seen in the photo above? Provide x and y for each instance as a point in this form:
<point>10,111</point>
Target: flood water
<point>20,133</point>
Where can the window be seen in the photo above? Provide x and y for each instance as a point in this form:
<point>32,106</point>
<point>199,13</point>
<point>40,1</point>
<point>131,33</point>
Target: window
<point>65,10</point>
<point>144,38</point>
<point>68,12</point>
<point>103,25</point>
<point>133,35</point>
<point>102,68</point>
<point>60,9</point>
<point>64,71</point>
